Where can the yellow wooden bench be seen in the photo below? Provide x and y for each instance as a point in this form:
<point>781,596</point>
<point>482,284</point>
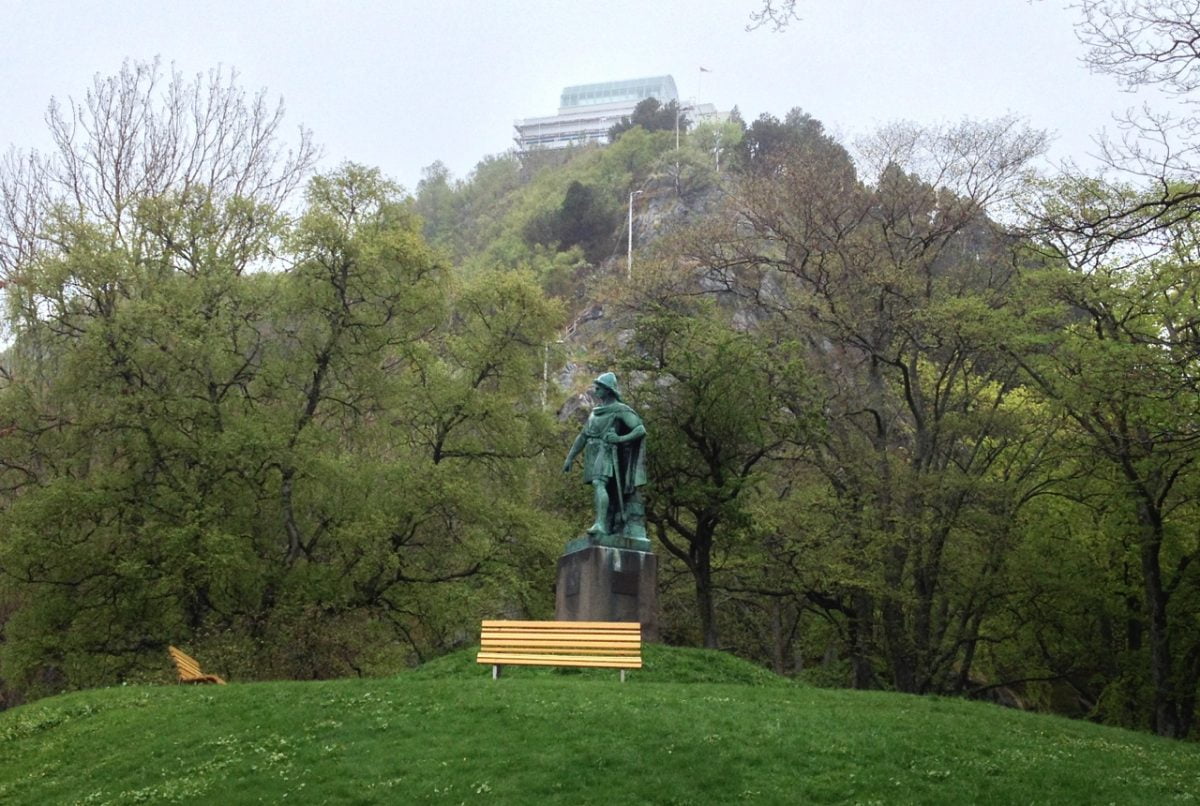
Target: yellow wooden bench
<point>189,668</point>
<point>588,644</point>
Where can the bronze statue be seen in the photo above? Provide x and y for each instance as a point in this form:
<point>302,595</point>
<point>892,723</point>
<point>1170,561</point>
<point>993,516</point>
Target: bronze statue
<point>613,444</point>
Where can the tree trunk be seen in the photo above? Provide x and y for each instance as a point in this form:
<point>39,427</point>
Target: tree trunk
<point>704,602</point>
<point>897,637</point>
<point>1187,701</point>
<point>1165,717</point>
<point>900,654</point>
<point>862,625</point>
<point>778,642</point>
<point>701,567</point>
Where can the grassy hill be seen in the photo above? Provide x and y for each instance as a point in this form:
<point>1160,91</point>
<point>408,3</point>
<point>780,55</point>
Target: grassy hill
<point>693,727</point>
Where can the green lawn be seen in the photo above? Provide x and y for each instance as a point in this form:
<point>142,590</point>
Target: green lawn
<point>447,733</point>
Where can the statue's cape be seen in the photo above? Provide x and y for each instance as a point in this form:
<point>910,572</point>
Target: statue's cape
<point>631,456</point>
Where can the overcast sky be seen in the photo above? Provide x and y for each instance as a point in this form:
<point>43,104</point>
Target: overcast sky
<point>401,84</point>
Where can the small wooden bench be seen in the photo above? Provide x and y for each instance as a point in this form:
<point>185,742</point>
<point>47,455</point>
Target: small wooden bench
<point>588,644</point>
<point>189,668</point>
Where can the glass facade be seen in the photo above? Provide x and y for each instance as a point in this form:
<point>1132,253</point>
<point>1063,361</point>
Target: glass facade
<point>588,111</point>
<point>615,92</point>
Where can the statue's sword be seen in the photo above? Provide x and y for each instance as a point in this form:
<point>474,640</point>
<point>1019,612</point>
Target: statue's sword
<point>620,481</point>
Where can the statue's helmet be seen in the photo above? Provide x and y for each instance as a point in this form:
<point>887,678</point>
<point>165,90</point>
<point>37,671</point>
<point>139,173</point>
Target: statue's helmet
<point>609,382</point>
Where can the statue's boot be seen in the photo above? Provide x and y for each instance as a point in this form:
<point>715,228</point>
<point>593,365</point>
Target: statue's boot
<point>597,530</point>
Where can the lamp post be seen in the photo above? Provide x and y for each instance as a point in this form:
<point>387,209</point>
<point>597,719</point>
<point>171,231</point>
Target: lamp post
<point>545,374</point>
<point>629,263</point>
<point>679,110</point>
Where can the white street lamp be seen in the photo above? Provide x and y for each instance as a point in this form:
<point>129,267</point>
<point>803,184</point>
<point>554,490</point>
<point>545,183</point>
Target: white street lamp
<point>545,374</point>
<point>629,263</point>
<point>679,110</point>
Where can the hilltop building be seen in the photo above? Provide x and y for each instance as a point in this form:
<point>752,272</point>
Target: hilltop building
<point>587,111</point>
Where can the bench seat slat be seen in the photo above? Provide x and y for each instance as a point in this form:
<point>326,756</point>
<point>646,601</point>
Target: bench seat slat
<point>538,649</point>
<point>533,649</point>
<point>562,636</point>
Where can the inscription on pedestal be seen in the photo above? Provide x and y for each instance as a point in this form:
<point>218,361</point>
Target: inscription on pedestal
<point>625,583</point>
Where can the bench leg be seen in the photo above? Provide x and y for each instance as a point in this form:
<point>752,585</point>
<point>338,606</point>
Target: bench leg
<point>622,675</point>
<point>495,672</point>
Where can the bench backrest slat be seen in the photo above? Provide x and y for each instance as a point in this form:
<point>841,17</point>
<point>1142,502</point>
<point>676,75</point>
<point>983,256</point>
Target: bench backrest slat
<point>188,668</point>
<point>185,663</point>
<point>565,626</point>
<point>590,646</point>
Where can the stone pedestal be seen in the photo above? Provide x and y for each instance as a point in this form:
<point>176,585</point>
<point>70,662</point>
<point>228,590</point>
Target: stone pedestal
<point>603,583</point>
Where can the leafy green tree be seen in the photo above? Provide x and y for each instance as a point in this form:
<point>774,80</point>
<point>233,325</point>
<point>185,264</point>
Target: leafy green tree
<point>723,404</point>
<point>894,288</point>
<point>769,142</point>
<point>1125,249</point>
<point>1121,369</point>
<point>338,454</point>
<point>1120,293</point>
<point>652,115</point>
<point>124,250</point>
<point>435,202</point>
<point>334,455</point>
<point>585,220</point>
<point>717,139</point>
<point>688,173</point>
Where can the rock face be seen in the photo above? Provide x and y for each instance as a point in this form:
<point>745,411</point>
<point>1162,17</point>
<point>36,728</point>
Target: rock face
<point>659,210</point>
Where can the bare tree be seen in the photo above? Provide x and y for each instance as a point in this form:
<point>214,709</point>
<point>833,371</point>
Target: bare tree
<point>774,14</point>
<point>1144,42</point>
<point>1151,45</point>
<point>144,133</point>
<point>987,161</point>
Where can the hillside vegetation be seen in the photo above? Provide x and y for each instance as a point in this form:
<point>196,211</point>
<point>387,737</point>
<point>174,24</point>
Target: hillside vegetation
<point>449,734</point>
